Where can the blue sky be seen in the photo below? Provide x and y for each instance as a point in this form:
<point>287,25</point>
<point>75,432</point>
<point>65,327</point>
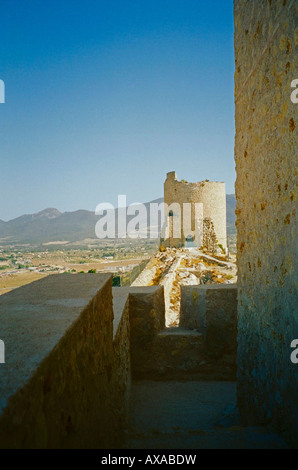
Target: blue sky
<point>105,97</point>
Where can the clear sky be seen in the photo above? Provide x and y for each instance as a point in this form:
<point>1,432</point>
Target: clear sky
<point>104,97</point>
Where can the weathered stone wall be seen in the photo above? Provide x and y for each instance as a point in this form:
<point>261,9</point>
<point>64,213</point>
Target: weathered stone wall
<point>160,353</point>
<point>147,319</point>
<point>212,310</point>
<point>211,194</point>
<point>266,40</point>
<point>120,385</point>
<point>66,377</point>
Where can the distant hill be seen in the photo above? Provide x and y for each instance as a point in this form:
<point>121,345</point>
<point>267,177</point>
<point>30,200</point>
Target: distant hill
<point>50,225</point>
<point>47,226</point>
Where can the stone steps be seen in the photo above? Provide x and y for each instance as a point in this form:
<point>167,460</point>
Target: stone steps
<point>180,354</point>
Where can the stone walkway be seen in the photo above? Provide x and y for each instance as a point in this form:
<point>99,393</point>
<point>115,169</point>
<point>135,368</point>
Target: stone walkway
<point>191,415</point>
<point>181,267</point>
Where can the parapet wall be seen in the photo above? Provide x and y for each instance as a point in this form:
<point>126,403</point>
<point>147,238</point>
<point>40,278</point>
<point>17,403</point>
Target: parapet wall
<point>266,190</point>
<point>66,379</point>
<point>203,347</point>
<point>212,310</point>
<point>73,343</point>
<point>147,319</point>
<point>211,194</point>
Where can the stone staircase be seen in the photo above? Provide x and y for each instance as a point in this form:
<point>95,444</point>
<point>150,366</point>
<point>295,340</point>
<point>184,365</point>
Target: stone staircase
<point>191,415</point>
<point>203,347</point>
<point>181,354</point>
<point>183,392</point>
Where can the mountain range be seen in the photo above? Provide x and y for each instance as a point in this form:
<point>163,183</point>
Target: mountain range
<point>51,225</point>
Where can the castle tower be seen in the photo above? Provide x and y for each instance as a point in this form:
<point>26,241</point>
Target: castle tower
<point>205,203</point>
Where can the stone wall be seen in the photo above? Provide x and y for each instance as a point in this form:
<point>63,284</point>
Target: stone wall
<point>211,194</point>
<point>203,347</point>
<point>66,377</point>
<point>266,40</point>
<point>147,319</point>
<point>212,310</point>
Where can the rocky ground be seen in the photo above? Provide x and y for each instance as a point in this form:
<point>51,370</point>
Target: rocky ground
<point>173,268</point>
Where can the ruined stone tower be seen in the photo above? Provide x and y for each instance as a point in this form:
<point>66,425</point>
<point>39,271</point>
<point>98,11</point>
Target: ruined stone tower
<point>206,202</point>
